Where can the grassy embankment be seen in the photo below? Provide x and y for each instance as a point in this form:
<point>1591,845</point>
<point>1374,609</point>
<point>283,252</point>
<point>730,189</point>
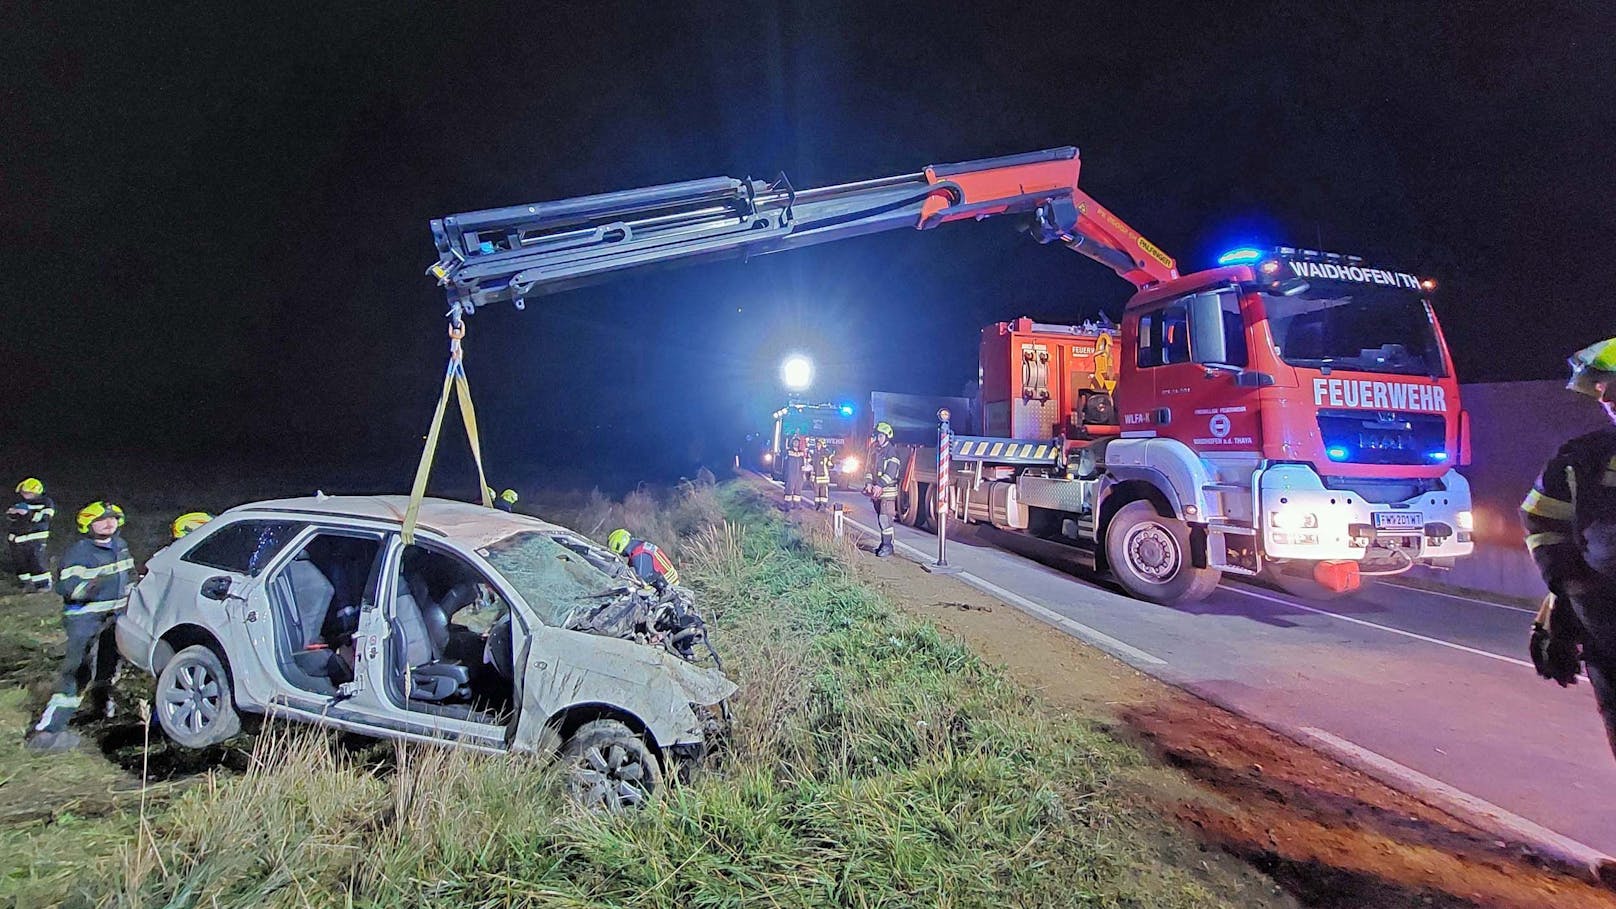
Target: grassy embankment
<point>874,762</point>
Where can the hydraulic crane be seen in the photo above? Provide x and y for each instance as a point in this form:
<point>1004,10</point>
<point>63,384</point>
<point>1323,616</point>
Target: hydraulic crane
<point>513,253</point>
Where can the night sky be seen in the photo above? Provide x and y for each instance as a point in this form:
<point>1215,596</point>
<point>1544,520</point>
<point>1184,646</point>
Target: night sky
<point>215,220</point>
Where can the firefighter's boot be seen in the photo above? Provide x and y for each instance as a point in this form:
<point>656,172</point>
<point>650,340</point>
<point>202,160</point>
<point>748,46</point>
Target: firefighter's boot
<point>885,549</point>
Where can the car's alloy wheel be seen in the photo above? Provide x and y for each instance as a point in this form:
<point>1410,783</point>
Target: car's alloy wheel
<point>194,704</point>
<point>609,768</point>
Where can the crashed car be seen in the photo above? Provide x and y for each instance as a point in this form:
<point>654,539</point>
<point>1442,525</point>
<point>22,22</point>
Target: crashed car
<point>492,631</point>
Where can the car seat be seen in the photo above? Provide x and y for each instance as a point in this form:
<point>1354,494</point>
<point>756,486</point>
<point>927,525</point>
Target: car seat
<point>430,678</point>
<point>311,593</point>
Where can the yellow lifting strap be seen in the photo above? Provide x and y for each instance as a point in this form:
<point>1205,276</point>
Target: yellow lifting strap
<point>454,377</point>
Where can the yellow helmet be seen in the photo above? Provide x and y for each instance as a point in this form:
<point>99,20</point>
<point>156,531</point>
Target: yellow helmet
<point>188,522</point>
<point>884,428</point>
<point>95,511</point>
<point>508,497</point>
<point>32,484</point>
<point>618,541</point>
<point>1594,363</point>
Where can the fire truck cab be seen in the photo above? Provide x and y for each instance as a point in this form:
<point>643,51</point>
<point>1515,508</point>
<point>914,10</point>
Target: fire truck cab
<point>1291,414</point>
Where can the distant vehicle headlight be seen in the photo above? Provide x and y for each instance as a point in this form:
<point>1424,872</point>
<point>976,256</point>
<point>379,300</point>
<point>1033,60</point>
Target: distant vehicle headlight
<point>768,457</point>
<point>851,464</point>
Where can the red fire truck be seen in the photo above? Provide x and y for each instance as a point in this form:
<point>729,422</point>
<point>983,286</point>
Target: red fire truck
<point>1289,413</point>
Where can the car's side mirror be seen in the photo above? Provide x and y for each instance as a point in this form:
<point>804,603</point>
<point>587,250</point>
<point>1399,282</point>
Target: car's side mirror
<point>217,588</point>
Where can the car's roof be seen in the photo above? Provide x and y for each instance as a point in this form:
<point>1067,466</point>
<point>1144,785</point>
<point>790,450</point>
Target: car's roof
<point>461,521</point>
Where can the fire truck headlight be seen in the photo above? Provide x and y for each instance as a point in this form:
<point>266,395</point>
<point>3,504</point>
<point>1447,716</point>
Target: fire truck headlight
<point>851,464</point>
<point>1292,518</point>
<point>768,457</point>
<point>1465,520</point>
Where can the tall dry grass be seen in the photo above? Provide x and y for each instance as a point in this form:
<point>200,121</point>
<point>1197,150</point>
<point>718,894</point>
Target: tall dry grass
<point>874,762</point>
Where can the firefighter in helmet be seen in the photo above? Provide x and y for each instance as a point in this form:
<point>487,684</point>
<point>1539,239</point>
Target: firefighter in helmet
<point>507,501</point>
<point>29,531</point>
<point>188,522</point>
<point>821,463</point>
<point>93,580</point>
<point>796,469</point>
<point>650,563</point>
<point>881,483</point>
<point>1570,521</point>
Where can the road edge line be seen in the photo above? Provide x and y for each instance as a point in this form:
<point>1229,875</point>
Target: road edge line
<point>1470,808</point>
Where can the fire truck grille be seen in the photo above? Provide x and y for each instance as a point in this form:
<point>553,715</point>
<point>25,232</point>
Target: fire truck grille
<point>1383,437</point>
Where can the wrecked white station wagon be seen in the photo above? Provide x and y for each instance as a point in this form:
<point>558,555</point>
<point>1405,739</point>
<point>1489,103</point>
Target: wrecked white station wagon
<point>492,631</point>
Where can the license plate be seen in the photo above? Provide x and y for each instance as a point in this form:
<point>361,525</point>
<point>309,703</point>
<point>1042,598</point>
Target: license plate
<point>1399,520</point>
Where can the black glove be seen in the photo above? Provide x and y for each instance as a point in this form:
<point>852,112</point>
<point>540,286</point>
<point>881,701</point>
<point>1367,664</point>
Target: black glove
<point>1556,657</point>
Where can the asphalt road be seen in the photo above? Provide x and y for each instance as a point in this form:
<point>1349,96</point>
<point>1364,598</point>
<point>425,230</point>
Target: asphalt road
<point>1429,691</point>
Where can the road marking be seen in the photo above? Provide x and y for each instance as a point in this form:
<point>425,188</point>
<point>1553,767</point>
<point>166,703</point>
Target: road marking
<point>1455,596</point>
<point>1408,634</point>
<point>1448,798</point>
<point>1129,653</point>
<point>1093,635</point>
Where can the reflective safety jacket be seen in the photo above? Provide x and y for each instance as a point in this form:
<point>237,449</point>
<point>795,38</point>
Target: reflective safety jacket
<point>1570,514</point>
<point>651,564</point>
<point>822,461</point>
<point>95,577</point>
<point>29,522</point>
<point>886,469</point>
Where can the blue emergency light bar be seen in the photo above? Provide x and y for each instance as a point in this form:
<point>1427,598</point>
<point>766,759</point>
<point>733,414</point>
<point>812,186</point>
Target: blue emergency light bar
<point>1245,255</point>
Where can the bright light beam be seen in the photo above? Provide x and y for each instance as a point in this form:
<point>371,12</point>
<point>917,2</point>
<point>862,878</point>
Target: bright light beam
<point>797,372</point>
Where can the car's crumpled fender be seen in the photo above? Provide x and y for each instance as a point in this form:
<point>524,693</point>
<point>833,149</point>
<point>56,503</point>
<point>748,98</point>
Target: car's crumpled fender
<point>578,668</point>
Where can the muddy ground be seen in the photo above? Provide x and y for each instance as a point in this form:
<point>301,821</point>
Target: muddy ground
<point>1330,835</point>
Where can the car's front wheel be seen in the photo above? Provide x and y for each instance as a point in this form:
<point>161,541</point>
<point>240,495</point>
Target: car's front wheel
<point>609,767</point>
<point>194,702</point>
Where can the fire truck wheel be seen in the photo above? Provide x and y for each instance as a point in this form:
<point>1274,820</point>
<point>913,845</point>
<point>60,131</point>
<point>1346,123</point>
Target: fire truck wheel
<point>1150,557</point>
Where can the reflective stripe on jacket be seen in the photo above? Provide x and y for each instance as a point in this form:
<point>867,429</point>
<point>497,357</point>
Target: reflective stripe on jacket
<point>28,521</point>
<point>95,577</point>
<point>1570,514</point>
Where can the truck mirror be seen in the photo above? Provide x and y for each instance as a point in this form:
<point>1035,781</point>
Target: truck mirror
<point>1207,343</point>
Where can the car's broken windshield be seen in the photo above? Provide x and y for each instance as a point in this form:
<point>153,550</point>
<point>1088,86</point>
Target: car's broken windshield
<point>556,574</point>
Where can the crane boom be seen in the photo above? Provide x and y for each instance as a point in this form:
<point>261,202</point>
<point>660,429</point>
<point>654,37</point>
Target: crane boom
<point>513,253</point>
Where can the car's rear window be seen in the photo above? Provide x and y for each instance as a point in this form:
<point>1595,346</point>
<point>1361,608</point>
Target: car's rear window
<point>557,574</point>
<point>244,547</point>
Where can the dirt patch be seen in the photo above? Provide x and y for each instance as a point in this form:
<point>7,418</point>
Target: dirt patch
<point>1331,836</point>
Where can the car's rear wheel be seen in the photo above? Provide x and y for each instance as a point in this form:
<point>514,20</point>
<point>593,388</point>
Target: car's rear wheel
<point>610,768</point>
<point>194,702</point>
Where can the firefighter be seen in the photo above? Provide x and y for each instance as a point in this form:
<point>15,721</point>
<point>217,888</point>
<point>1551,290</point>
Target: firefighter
<point>796,469</point>
<point>507,501</point>
<point>881,483</point>
<point>650,563</point>
<point>188,522</point>
<point>1570,519</point>
<point>93,580</point>
<point>29,531</point>
<point>821,463</point>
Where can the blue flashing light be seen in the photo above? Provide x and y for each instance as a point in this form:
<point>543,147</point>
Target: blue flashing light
<point>1437,455</point>
<point>1337,452</point>
<point>485,248</point>
<point>1245,255</point>
<point>847,410</point>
